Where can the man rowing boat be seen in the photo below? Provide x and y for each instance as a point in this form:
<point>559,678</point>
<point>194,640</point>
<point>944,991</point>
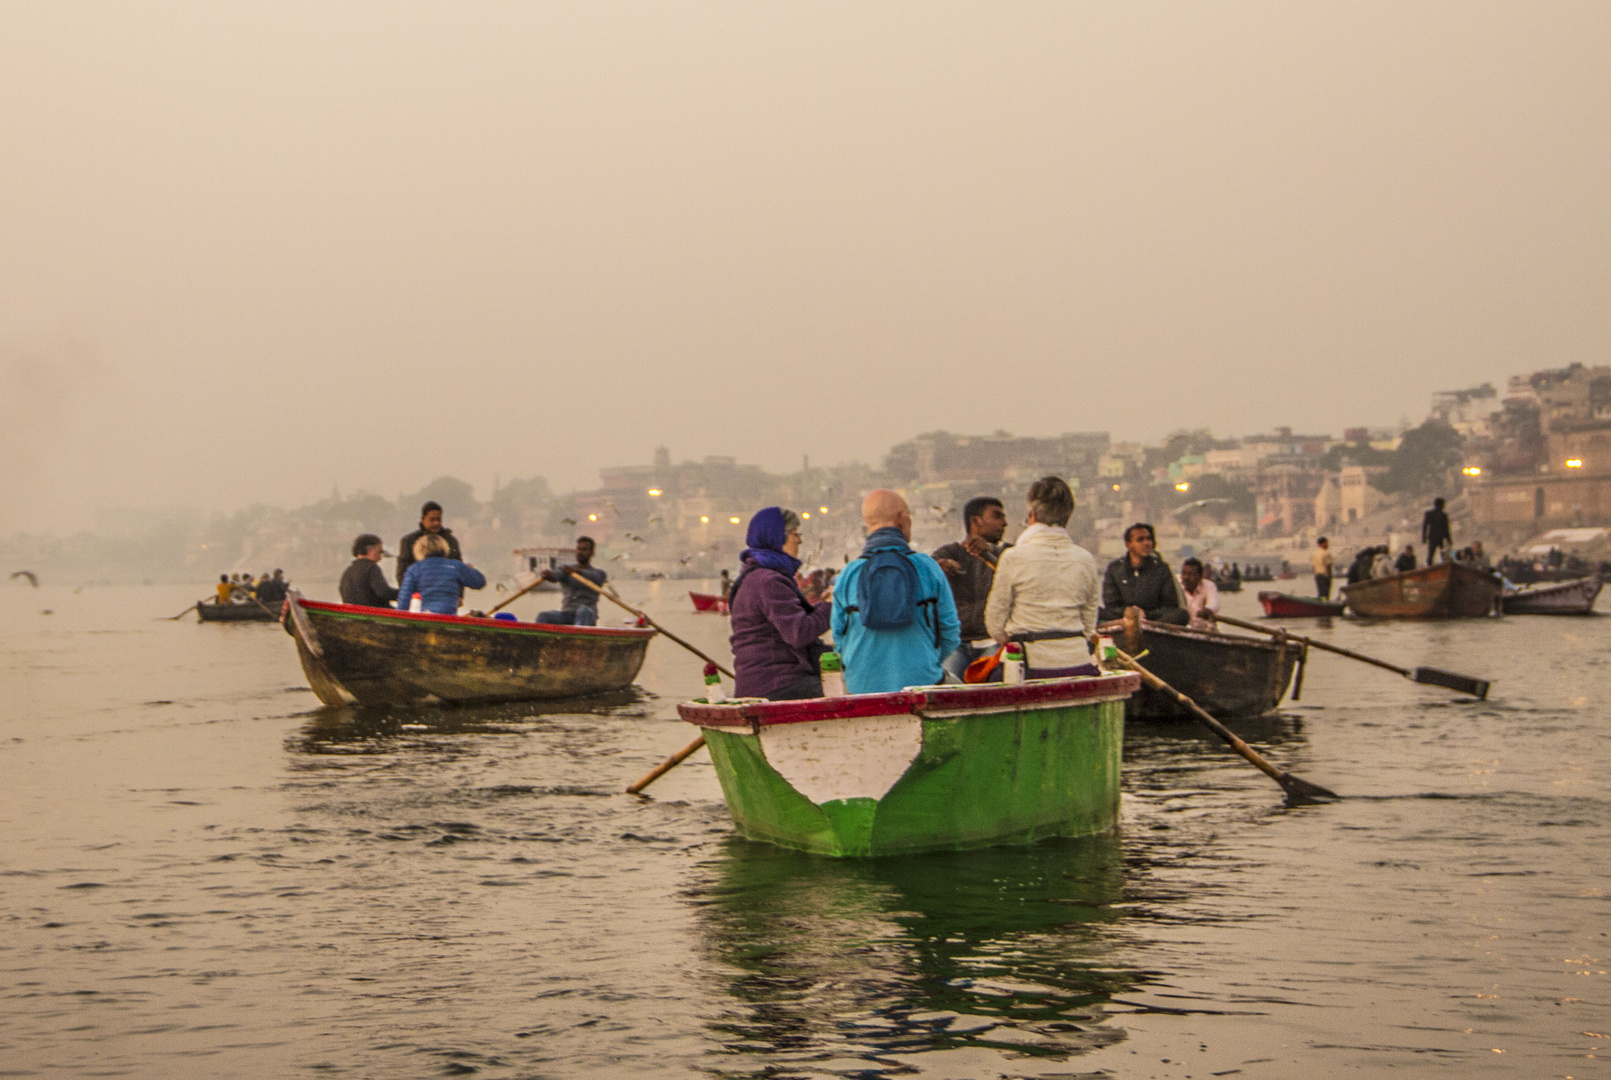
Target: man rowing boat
<point>581,604</point>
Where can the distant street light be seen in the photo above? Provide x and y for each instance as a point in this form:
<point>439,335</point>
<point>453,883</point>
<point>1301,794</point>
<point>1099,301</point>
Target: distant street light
<point>655,492</point>
<point>1183,486</point>
<point>1472,470</point>
<point>704,519</point>
<point>1574,463</point>
<point>733,520</point>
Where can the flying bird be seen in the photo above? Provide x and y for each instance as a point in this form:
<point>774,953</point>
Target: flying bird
<point>635,539</point>
<point>33,578</point>
<point>567,521</point>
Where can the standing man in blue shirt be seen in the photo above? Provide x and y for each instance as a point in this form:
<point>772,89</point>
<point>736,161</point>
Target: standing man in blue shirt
<point>894,618</point>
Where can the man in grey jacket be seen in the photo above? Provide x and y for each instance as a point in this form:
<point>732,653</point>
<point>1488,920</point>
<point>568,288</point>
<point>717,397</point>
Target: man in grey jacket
<point>363,582</point>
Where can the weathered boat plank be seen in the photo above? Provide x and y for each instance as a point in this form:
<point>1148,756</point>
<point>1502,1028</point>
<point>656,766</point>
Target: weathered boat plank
<point>376,656</point>
<point>1441,591</point>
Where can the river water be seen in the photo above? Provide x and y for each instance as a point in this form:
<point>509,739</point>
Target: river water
<point>205,873</point>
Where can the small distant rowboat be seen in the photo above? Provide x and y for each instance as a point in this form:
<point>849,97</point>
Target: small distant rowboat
<point>927,769</point>
<point>376,656</point>
<point>212,611</point>
<point>708,602</point>
<point>1229,675</point>
<point>1560,598</point>
<point>1441,591</point>
<point>1228,584</point>
<point>1280,605</point>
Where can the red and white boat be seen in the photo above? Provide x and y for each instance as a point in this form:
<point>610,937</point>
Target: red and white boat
<point>1554,598</point>
<point>1280,605</point>
<point>708,602</point>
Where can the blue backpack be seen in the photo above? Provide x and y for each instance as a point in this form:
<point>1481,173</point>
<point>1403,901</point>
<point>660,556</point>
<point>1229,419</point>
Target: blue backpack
<point>887,592</point>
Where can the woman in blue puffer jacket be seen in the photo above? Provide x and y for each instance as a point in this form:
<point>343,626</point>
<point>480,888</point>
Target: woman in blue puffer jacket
<point>439,580</point>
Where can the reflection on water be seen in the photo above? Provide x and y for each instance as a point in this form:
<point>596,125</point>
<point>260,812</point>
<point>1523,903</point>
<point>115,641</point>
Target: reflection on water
<point>360,729</point>
<point>837,961</point>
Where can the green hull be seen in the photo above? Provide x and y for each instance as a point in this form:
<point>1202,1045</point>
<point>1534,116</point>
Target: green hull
<point>981,778</point>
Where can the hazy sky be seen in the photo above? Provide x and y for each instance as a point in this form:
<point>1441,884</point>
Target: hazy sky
<point>249,251</point>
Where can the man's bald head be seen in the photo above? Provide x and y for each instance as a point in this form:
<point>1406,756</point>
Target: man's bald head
<point>884,508</point>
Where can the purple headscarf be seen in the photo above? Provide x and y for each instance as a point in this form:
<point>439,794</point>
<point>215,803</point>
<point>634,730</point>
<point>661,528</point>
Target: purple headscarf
<point>768,529</point>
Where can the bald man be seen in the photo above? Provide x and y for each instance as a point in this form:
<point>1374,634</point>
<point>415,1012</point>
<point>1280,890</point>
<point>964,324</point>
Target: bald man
<point>894,618</point>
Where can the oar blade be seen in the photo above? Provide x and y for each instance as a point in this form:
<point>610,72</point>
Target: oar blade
<point>1465,684</point>
<point>1300,790</point>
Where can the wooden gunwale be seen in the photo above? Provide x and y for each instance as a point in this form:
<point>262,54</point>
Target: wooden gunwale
<point>499,626</point>
<point>938,701</point>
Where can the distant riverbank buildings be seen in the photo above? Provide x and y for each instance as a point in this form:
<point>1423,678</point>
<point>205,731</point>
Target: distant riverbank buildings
<point>1543,455</point>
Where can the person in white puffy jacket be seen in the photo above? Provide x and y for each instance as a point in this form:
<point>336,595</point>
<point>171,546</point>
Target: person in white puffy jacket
<point>1046,591</point>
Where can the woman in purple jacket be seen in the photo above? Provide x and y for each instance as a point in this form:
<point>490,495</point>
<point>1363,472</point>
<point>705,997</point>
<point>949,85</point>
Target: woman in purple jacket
<point>775,628</point>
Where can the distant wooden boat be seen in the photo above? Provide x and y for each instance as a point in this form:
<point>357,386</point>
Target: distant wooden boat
<point>708,602</point>
<point>1561,598</point>
<point>212,611</point>
<point>377,656</point>
<point>928,769</point>
<point>1280,605</point>
<point>1228,584</point>
<point>1444,590</point>
<point>1229,675</point>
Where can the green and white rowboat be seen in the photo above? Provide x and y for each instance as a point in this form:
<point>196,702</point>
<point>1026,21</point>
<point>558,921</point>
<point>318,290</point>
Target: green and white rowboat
<point>938,768</point>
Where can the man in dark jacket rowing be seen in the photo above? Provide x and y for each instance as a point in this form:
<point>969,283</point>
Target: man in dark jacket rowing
<point>430,522</point>
<point>581,604</point>
<point>1140,579</point>
<point>363,582</point>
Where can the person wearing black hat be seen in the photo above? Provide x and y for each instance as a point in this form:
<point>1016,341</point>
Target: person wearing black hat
<point>430,522</point>
<point>363,582</point>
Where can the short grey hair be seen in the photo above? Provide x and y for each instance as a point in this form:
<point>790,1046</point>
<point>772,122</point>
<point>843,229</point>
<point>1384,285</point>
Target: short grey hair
<point>791,522</point>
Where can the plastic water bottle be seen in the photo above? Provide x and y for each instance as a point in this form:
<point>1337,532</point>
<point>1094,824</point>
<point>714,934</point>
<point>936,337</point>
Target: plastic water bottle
<point>417,604</point>
<point>833,675</point>
<point>713,685</point>
<point>1012,667</point>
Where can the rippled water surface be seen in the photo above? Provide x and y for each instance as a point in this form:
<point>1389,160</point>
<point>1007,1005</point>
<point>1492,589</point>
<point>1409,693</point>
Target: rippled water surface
<point>205,873</point>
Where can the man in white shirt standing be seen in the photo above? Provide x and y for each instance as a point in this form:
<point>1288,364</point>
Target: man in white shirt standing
<point>1202,595</point>
<point>1046,590</point>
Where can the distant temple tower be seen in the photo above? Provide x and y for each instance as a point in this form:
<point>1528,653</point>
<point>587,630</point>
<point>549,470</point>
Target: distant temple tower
<point>662,457</point>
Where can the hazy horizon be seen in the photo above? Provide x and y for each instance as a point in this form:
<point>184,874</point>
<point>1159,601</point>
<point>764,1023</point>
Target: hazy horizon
<point>256,251</point>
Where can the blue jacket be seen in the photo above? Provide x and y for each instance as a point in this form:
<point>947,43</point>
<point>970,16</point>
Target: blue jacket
<point>440,582</point>
<point>883,661</point>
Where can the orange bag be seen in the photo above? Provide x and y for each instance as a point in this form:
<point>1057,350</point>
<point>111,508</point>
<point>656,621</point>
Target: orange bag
<point>979,671</point>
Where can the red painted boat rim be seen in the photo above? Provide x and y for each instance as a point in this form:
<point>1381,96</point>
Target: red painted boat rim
<point>994,697</point>
<point>505,625</point>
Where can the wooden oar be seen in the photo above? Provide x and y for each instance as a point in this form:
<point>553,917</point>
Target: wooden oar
<point>1465,684</point>
<point>1295,787</point>
<point>666,766</point>
<point>675,759</point>
<point>608,595</point>
<point>515,596</point>
<point>182,614</point>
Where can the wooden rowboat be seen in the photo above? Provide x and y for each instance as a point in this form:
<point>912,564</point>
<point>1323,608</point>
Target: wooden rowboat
<point>1229,675</point>
<point>1560,598</point>
<point>708,602</point>
<point>1443,590</point>
<point>927,769</point>
<point>377,656</point>
<point>212,611</point>
<point>1280,605</point>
